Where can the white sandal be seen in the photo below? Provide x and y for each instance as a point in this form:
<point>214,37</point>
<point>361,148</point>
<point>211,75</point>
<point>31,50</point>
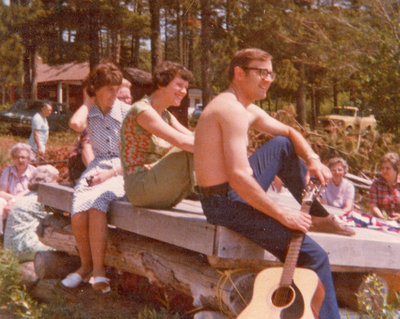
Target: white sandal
<point>73,280</point>
<point>102,284</point>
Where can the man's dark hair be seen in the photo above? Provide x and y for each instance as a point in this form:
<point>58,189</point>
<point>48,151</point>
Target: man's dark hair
<point>103,74</point>
<point>243,58</point>
<point>166,71</point>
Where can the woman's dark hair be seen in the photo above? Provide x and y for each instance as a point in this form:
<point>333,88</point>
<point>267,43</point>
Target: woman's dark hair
<point>105,73</point>
<point>166,71</point>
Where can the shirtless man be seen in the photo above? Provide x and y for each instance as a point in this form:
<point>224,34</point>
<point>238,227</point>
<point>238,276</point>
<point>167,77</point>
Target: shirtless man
<point>233,187</point>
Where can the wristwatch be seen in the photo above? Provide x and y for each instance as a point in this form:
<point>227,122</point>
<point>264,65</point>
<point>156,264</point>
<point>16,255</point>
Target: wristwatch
<point>312,156</point>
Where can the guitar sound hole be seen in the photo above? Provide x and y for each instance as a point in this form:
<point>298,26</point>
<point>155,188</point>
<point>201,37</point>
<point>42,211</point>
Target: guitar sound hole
<point>282,297</point>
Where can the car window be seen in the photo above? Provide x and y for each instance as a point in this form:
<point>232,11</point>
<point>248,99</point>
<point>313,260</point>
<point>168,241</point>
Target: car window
<point>346,112</point>
<point>19,106</point>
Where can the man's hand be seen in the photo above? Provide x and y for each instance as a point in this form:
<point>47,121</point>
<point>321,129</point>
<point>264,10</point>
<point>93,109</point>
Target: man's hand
<point>295,219</point>
<point>319,170</point>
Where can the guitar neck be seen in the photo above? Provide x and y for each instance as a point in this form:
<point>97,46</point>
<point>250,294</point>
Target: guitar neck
<point>294,249</point>
<point>291,259</point>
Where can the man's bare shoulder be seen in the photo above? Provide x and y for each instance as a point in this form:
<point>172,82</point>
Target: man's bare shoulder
<point>223,103</point>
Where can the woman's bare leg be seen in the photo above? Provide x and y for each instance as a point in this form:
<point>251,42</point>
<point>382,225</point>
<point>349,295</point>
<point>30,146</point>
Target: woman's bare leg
<point>98,240</point>
<point>80,228</point>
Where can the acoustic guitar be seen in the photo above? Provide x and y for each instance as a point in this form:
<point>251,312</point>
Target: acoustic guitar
<point>288,292</point>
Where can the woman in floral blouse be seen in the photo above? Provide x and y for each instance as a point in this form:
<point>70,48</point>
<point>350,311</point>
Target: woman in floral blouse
<point>156,150</point>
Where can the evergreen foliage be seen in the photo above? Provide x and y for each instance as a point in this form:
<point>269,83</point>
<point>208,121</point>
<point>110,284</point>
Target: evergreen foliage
<point>322,49</point>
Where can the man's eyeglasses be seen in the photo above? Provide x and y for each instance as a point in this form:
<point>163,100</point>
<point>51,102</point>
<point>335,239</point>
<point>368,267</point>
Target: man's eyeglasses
<point>263,73</point>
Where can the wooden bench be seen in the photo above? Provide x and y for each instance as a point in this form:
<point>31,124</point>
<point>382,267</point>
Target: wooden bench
<point>178,248</point>
<point>185,226</point>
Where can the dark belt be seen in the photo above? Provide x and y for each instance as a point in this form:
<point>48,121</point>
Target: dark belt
<point>220,189</point>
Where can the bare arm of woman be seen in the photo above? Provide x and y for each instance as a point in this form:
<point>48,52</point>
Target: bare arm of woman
<point>348,205</point>
<point>179,127</point>
<point>78,121</point>
<point>376,212</point>
<point>152,122</point>
<point>87,153</point>
<point>4,194</point>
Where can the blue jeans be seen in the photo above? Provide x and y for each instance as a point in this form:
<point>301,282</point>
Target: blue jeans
<point>276,157</point>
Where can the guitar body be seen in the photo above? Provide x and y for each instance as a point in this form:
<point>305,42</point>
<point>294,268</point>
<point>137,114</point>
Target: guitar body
<point>305,296</point>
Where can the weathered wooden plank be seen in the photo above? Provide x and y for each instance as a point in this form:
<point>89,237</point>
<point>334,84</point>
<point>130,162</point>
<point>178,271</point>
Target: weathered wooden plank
<point>56,196</point>
<point>185,226</point>
<point>181,228</point>
<point>368,250</point>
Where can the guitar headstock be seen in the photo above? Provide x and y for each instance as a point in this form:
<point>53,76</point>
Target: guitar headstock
<point>312,191</point>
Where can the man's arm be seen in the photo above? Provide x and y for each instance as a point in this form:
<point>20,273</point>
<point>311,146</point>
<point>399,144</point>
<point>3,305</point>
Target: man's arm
<point>36,136</point>
<point>267,124</point>
<point>234,140</point>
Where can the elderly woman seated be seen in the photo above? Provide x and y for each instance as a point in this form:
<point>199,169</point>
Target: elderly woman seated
<point>20,231</point>
<point>14,178</point>
<point>340,191</point>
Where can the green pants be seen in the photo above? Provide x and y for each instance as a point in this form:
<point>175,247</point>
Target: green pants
<point>169,181</point>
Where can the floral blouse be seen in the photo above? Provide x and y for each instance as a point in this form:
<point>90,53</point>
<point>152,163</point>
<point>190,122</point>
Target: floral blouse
<point>139,148</point>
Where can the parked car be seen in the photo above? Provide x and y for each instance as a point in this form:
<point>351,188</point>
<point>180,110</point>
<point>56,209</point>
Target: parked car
<point>348,118</point>
<point>194,117</point>
<point>19,115</point>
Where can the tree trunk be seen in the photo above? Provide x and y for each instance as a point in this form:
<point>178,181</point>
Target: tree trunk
<point>179,33</point>
<point>34,61</point>
<point>190,49</point>
<point>335,93</point>
<point>115,46</point>
<point>27,88</point>
<point>93,42</point>
<point>206,50</point>
<point>318,98</point>
<point>156,56</point>
<point>313,107</point>
<point>301,97</point>
<point>166,38</point>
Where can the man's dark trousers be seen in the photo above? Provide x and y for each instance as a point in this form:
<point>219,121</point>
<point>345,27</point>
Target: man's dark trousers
<point>275,158</point>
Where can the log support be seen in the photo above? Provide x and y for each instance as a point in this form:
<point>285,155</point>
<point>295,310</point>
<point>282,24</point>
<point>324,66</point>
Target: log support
<point>163,264</point>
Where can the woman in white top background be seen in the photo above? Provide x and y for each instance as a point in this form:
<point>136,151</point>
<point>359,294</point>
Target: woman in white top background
<point>340,191</point>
